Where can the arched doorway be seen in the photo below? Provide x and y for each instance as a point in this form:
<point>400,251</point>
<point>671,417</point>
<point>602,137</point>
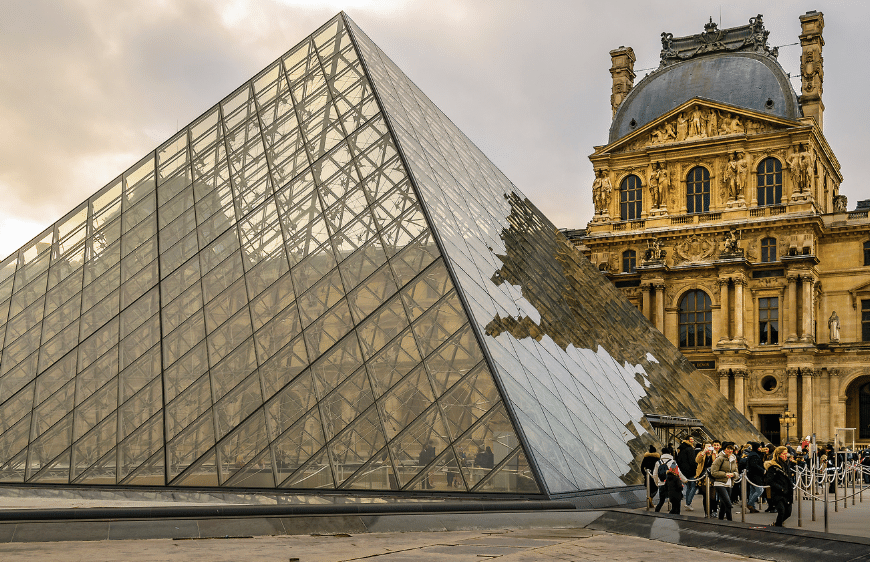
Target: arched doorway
<point>864,411</point>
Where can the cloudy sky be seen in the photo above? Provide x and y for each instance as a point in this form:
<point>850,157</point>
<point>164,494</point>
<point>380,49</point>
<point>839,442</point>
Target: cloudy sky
<point>89,87</point>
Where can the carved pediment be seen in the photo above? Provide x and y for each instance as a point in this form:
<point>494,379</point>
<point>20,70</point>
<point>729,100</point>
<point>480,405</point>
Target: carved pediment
<point>697,120</point>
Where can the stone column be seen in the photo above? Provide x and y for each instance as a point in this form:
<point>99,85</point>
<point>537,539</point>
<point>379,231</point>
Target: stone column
<point>807,328</point>
<point>792,392</point>
<point>739,391</point>
<point>660,307</point>
<point>792,307</point>
<point>723,382</point>
<point>645,292</point>
<point>724,329</point>
<point>738,310</point>
<point>834,397</point>
<point>824,401</point>
<point>806,414</point>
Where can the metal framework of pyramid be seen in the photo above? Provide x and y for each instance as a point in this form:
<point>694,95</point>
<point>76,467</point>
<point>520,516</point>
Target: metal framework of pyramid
<point>321,283</point>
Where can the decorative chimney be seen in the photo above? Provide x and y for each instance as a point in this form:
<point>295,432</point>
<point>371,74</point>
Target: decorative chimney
<point>622,71</point>
<point>812,70</point>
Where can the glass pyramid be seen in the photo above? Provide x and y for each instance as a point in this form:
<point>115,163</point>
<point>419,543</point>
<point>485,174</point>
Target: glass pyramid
<point>321,283</point>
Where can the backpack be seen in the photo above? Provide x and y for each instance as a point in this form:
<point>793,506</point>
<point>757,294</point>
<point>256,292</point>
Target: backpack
<point>662,472</point>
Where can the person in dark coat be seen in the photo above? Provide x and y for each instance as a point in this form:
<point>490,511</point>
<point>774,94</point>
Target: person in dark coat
<point>674,484</point>
<point>755,473</point>
<point>686,461</point>
<point>781,487</point>
<point>647,465</point>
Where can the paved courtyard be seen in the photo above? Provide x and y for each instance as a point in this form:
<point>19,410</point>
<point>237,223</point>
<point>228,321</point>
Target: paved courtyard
<point>461,546</point>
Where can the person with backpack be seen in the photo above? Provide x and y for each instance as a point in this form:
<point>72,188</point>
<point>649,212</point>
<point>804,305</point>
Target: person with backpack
<point>666,463</point>
<point>755,474</point>
<point>724,473</point>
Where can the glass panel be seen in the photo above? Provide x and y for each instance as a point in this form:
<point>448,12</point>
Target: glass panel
<point>486,446</point>
<point>232,370</point>
<point>382,326</point>
<point>356,444</point>
<point>426,289</point>
<point>320,297</point>
<point>333,367</point>
<point>469,399</point>
<point>372,293</point>
<point>92,411</point>
<point>272,301</point>
<point>238,404</point>
<point>92,447</point>
<point>204,473</point>
<point>453,359</point>
<point>284,366</point>
<point>328,329</point>
<point>362,263</point>
<point>439,322</point>
<point>190,445</point>
<point>240,447</point>
<point>417,447</point>
<point>316,473</point>
<point>393,362</point>
<point>185,371</point>
<point>229,336</point>
<point>150,473</point>
<point>345,403</point>
<point>514,476</point>
<point>45,449</point>
<point>443,474</point>
<point>378,474</point>
<point>403,404</point>
<point>278,332</point>
<point>138,409</point>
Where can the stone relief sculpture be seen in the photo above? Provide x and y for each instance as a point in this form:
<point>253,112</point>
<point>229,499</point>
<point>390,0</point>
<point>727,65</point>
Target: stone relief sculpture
<point>834,327</point>
<point>699,123</point>
<point>742,172</point>
<point>601,190</point>
<point>840,202</point>
<point>734,176</point>
<point>694,250</point>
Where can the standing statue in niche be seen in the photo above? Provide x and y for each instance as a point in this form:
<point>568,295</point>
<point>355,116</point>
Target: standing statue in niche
<point>729,176</point>
<point>601,190</point>
<point>742,172</point>
<point>655,191</point>
<point>800,164</point>
<point>664,181</point>
<point>834,326</point>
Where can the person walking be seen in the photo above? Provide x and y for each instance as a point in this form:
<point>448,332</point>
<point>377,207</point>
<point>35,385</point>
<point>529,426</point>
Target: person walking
<point>667,461</point>
<point>778,477</point>
<point>724,473</point>
<point>703,461</point>
<point>688,466</point>
<point>648,464</point>
<point>755,474</point>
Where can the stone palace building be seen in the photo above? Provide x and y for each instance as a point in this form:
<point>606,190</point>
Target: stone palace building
<point>718,213</point>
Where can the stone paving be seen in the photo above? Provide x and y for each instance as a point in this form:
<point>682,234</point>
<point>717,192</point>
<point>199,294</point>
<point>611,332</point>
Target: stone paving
<point>506,546</point>
<point>849,520</point>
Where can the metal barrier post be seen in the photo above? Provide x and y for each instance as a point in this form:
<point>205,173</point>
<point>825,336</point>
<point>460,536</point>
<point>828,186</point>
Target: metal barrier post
<point>800,496</point>
<point>812,474</point>
<point>709,499</point>
<point>826,508</point>
<point>852,473</point>
<point>648,496</point>
<point>743,497</point>
<point>836,497</point>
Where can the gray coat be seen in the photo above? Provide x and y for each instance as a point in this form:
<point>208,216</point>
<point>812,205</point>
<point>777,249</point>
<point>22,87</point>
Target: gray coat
<point>721,466</point>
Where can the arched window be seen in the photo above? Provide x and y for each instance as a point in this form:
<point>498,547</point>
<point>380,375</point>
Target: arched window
<point>630,198</point>
<point>629,261</point>
<point>696,320</point>
<point>768,249</point>
<point>698,190</point>
<point>769,182</point>
<point>867,253</point>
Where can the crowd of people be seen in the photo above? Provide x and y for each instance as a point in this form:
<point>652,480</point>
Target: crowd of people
<point>682,474</point>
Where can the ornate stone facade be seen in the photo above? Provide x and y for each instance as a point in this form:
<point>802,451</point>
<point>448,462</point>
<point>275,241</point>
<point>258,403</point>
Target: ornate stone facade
<point>729,206</point>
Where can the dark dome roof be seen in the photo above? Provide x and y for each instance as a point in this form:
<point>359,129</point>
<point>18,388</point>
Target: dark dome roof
<point>741,79</point>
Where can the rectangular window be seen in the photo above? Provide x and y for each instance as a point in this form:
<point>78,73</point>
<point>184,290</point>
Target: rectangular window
<point>865,320</point>
<point>768,320</point>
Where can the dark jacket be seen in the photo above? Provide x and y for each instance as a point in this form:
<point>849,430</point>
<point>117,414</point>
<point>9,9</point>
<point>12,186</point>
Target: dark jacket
<point>686,459</point>
<point>648,463</point>
<point>674,486</point>
<point>781,487</point>
<point>755,468</point>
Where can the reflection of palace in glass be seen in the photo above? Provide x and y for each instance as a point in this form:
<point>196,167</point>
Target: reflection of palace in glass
<point>321,283</point>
